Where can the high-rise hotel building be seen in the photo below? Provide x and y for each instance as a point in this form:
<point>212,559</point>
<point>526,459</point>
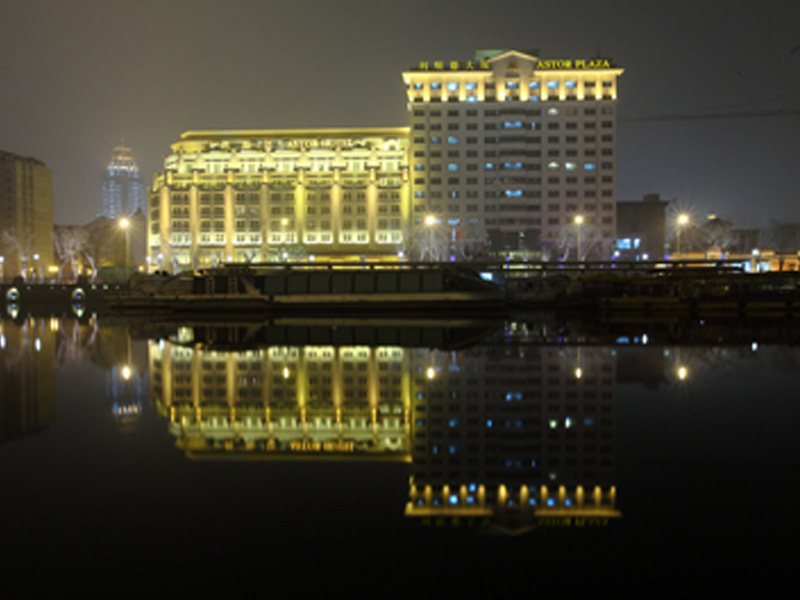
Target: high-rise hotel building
<point>508,149</point>
<point>505,155</point>
<point>123,192</point>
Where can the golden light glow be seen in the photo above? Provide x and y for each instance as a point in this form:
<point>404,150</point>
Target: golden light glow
<point>683,219</point>
<point>683,373</point>
<point>126,373</point>
<point>124,223</point>
<point>578,219</point>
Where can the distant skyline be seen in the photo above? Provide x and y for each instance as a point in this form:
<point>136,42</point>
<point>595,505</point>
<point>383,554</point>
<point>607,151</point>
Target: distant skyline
<point>77,77</point>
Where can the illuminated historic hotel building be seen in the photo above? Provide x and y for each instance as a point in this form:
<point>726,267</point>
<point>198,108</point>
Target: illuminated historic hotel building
<point>506,155</point>
<point>251,196</point>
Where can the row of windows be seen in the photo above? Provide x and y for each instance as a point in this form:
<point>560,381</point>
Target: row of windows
<point>530,112</point>
<point>454,86</point>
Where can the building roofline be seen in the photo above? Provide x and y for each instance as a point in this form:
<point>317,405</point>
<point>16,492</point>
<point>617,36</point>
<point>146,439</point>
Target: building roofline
<point>231,134</point>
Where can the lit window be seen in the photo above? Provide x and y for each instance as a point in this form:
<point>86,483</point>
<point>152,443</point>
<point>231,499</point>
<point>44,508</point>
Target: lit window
<point>489,166</point>
<point>552,111</point>
<point>552,165</point>
<point>569,84</point>
<point>452,140</point>
<point>512,85</point>
<point>436,86</point>
<point>513,193</point>
<point>513,165</point>
<point>534,98</point>
<point>534,85</point>
<point>471,99</point>
<point>436,140</point>
<point>417,86</point>
<point>452,86</point>
<point>570,166</point>
<point>553,85</point>
<point>471,85</point>
<point>452,167</point>
<point>419,167</point>
<point>589,166</point>
<point>512,125</point>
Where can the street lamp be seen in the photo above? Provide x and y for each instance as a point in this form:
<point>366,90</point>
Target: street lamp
<point>578,222</point>
<point>682,221</point>
<point>125,225</point>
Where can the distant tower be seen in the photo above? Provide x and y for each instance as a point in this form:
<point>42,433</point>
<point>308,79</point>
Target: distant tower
<point>123,193</point>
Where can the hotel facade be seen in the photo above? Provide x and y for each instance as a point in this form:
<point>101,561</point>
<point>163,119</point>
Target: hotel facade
<point>505,155</point>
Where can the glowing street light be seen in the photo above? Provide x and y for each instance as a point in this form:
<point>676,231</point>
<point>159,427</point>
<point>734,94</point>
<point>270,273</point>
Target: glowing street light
<point>125,225</point>
<point>682,221</point>
<point>578,222</point>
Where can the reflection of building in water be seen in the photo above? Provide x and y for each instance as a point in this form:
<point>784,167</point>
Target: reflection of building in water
<point>27,377</point>
<point>518,436</point>
<point>125,387</point>
<point>310,400</point>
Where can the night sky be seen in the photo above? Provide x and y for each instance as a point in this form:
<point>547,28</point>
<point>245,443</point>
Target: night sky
<point>79,76</point>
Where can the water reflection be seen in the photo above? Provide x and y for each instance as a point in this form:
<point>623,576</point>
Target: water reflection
<point>509,426</point>
<point>27,377</point>
<point>506,434</point>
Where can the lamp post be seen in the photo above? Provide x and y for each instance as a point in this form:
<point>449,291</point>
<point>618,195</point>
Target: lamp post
<point>125,225</point>
<point>430,223</point>
<point>682,221</point>
<point>578,222</point>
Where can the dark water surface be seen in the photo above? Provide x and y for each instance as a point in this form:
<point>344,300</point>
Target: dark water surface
<point>297,455</point>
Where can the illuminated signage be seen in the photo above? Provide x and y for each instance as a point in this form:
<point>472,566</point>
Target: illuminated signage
<point>566,63</point>
<point>551,64</point>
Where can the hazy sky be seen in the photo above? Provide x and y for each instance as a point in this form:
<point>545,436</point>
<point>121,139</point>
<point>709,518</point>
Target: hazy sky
<point>77,76</point>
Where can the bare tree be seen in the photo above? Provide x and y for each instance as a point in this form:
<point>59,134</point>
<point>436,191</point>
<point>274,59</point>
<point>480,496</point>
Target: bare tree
<point>69,246</point>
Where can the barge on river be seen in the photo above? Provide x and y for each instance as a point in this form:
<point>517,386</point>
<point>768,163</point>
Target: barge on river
<point>311,289</point>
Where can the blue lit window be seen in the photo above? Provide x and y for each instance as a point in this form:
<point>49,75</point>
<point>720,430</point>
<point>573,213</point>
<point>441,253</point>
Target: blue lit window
<point>419,167</point>
<point>419,195</point>
<point>420,422</point>
<point>453,449</point>
<point>470,500</point>
<point>452,195</point>
<point>417,86</point>
<point>637,242</point>
<point>453,499</point>
<point>489,166</point>
<point>534,98</point>
<point>488,422</point>
<point>472,99</point>
<point>553,85</point>
<point>436,86</point>
<point>624,243</point>
<point>436,140</point>
<point>512,125</point>
<point>513,193</point>
<point>453,223</point>
<point>513,165</point>
<point>471,85</point>
<point>588,421</point>
<point>452,86</point>
<point>453,423</point>
<point>533,126</point>
<point>551,502</point>
<point>452,140</point>
<point>512,85</point>
<point>513,396</point>
<point>534,85</point>
<point>589,166</point>
<point>472,488</point>
<point>569,84</point>
<point>570,166</point>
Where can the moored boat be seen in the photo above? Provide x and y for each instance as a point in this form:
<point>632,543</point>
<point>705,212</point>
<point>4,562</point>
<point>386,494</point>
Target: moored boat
<point>323,289</point>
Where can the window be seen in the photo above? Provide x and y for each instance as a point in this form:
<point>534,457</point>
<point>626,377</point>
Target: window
<point>452,167</point>
<point>470,85</point>
<point>452,140</point>
<point>436,86</point>
<point>452,86</point>
<point>534,85</point>
<point>553,85</point>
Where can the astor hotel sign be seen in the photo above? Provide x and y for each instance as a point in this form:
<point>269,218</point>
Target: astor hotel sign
<point>550,64</point>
